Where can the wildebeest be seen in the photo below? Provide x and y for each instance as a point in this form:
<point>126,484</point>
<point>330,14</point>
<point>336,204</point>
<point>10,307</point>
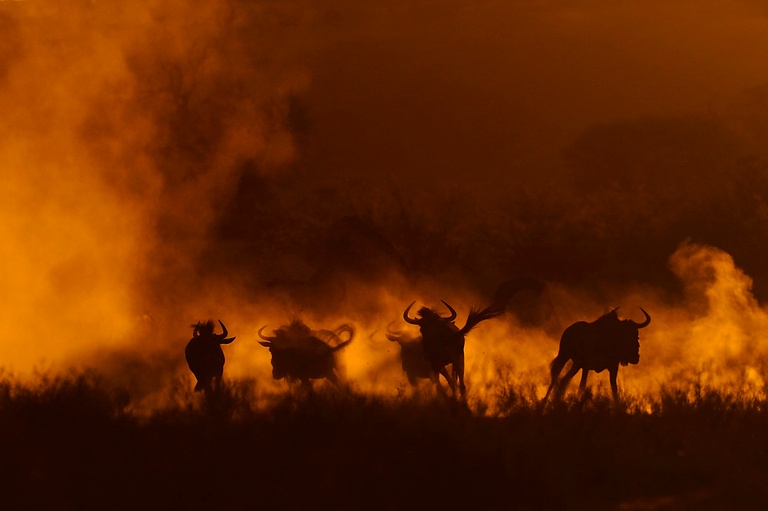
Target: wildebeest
<point>300,353</point>
<point>443,341</point>
<point>204,355</point>
<point>602,344</point>
<point>413,359</point>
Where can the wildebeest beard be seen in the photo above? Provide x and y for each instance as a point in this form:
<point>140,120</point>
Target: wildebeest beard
<point>631,352</point>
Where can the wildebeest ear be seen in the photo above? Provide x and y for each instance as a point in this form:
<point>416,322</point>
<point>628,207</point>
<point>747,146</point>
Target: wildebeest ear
<point>227,341</point>
<point>267,344</point>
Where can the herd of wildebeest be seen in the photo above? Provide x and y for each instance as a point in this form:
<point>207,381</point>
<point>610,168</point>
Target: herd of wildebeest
<point>301,354</point>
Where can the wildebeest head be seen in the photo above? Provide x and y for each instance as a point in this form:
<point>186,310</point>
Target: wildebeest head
<point>624,332</point>
<point>443,341</point>
<point>401,337</point>
<point>430,321</point>
<point>413,359</point>
<point>427,315</point>
<point>300,353</point>
<point>204,329</point>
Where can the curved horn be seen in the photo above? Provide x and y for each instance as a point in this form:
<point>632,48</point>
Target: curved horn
<point>390,330</point>
<point>224,331</point>
<point>453,312</point>
<point>405,315</point>
<point>326,335</point>
<point>345,328</point>
<point>644,323</point>
<point>265,337</point>
<point>390,334</point>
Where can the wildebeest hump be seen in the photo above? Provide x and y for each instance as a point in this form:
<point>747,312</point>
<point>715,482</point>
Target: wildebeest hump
<point>597,352</point>
<point>311,359</point>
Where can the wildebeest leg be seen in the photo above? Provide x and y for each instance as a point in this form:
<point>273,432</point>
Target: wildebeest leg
<point>208,392</point>
<point>555,368</point>
<point>567,378</point>
<point>458,372</point>
<point>614,373</point>
<point>583,384</point>
<point>435,379</point>
<point>451,383</point>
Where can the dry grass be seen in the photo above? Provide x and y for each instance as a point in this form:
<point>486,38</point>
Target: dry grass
<point>72,442</point>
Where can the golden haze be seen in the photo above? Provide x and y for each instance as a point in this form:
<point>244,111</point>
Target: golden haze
<point>127,133</point>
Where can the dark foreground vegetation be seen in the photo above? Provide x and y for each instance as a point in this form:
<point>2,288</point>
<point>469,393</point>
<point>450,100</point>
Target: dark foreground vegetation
<point>72,443</point>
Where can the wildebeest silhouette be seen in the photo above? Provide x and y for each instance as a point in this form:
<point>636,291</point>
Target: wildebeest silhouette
<point>443,341</point>
<point>302,354</point>
<point>602,344</point>
<point>204,355</point>
<point>413,358</point>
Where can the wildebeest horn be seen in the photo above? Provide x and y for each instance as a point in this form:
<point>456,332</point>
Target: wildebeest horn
<point>405,315</point>
<point>392,335</point>
<point>453,312</point>
<point>389,328</point>
<point>345,328</point>
<point>644,323</point>
<point>270,339</point>
<point>224,331</point>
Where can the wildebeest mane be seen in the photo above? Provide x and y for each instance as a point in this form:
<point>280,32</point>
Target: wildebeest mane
<point>610,316</point>
<point>202,328</point>
<point>295,329</point>
<point>429,313</point>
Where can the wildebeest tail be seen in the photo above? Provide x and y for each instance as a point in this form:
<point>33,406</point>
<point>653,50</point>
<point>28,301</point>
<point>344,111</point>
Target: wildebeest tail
<point>476,316</point>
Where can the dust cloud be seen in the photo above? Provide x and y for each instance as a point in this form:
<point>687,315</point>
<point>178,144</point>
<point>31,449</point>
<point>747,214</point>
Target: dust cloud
<point>256,161</point>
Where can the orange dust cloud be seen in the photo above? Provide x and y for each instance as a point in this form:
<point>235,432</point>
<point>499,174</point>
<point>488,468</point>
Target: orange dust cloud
<point>123,129</point>
<point>714,336</point>
<point>256,161</point>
